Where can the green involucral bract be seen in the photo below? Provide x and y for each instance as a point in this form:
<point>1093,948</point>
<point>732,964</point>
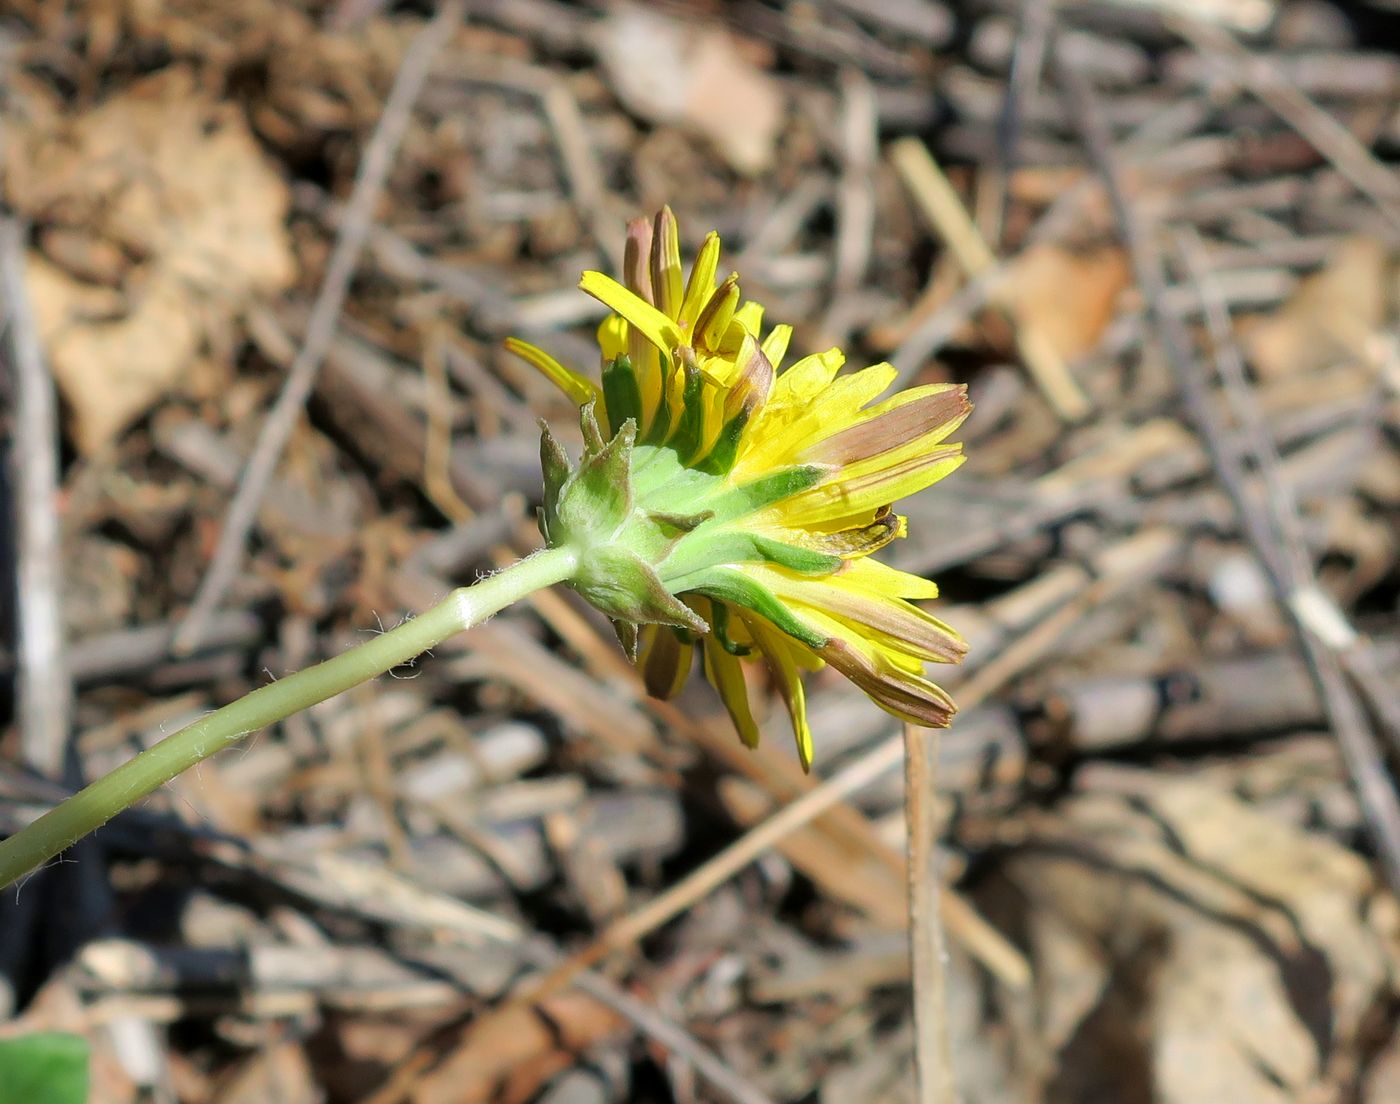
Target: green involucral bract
<point>647,528</point>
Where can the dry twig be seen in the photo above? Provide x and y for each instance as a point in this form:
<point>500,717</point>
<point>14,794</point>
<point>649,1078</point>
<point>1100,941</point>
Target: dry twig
<point>933,1054</point>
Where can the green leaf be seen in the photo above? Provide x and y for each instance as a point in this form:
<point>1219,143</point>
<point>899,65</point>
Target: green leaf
<point>662,483</point>
<point>592,432</point>
<point>723,584</point>
<point>723,452</point>
<point>598,499</point>
<point>805,561</point>
<point>622,585</point>
<point>721,630</point>
<point>766,490</point>
<point>621,394</point>
<point>705,549</point>
<point>686,440</point>
<point>678,523</point>
<point>44,1068</point>
<point>660,427</point>
<point>554,463</point>
<point>627,636</point>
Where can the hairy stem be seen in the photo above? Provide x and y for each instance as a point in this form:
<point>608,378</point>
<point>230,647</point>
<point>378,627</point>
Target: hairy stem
<point>93,806</point>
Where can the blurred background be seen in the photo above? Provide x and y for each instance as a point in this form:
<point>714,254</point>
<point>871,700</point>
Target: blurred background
<point>257,260</point>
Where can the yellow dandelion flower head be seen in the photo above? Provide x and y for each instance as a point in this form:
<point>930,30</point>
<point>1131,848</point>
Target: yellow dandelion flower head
<point>733,505</point>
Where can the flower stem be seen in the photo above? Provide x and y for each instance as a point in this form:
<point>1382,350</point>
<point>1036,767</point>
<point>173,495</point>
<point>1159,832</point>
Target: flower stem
<point>96,804</point>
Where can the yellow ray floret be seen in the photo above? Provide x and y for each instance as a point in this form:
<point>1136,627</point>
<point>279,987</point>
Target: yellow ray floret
<point>577,387</point>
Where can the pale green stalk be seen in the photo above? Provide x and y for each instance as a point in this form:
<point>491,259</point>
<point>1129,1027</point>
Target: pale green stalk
<point>92,807</point>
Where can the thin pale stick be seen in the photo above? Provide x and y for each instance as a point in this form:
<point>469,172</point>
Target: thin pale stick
<point>933,1052</point>
<point>45,690</point>
<point>1027,67</point>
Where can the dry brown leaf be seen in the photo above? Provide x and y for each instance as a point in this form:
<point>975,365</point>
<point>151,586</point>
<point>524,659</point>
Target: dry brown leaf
<point>1222,1023</point>
<point>668,71</point>
<point>111,368</point>
<point>1332,316</point>
<point>175,184</point>
<point>1239,955</point>
<point>1066,298</point>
